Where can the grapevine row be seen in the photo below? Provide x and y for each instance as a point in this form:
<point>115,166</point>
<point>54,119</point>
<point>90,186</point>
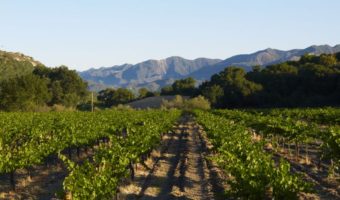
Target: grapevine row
<point>284,129</point>
<point>27,139</point>
<point>254,174</point>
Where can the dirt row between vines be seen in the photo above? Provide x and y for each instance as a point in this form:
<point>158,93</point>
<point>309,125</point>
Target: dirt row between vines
<point>178,170</point>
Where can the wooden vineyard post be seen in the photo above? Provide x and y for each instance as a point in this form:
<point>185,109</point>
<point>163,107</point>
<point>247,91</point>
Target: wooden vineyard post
<point>69,151</point>
<point>331,170</point>
<point>29,173</point>
<point>125,135</point>
<point>68,196</point>
<point>92,106</point>
<point>307,160</point>
<point>78,152</point>
<point>132,171</point>
<point>289,149</point>
<point>296,150</point>
<point>12,180</point>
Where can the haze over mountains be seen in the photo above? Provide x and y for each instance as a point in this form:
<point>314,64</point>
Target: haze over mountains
<point>154,74</point>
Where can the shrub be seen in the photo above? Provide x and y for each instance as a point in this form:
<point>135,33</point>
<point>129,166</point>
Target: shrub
<point>197,103</point>
<point>177,102</point>
<point>122,107</point>
<point>186,104</point>
<point>60,108</point>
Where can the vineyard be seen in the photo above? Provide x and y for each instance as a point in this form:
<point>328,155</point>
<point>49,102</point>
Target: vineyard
<point>159,154</point>
<point>112,140</point>
<point>280,153</point>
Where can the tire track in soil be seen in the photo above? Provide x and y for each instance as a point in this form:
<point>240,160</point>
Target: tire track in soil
<point>181,172</point>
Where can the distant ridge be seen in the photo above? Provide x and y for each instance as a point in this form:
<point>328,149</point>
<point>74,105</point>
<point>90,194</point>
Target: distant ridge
<point>151,73</point>
<point>154,74</point>
<point>263,58</point>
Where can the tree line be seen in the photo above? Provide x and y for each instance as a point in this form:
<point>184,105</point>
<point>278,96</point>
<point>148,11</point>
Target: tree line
<point>311,81</point>
<point>42,87</point>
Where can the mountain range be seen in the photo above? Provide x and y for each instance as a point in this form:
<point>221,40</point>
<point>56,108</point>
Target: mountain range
<point>154,74</point>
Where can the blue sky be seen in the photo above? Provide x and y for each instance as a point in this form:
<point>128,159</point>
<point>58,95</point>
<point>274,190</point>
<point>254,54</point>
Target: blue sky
<point>94,33</point>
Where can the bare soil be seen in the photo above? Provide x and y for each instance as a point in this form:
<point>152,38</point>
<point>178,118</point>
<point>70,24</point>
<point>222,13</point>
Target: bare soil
<point>178,170</point>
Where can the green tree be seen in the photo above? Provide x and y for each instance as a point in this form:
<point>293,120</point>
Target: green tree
<point>122,96</point>
<point>66,86</point>
<point>106,96</point>
<point>23,93</point>
<point>311,81</point>
<point>328,60</point>
<point>184,86</point>
<point>110,97</point>
<point>337,55</point>
<point>282,68</point>
<point>167,90</point>
<point>214,94</point>
<point>237,89</point>
<point>57,93</point>
<point>308,58</point>
<point>143,93</point>
<point>256,68</point>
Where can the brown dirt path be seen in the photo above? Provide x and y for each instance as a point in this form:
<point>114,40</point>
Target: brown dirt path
<point>180,171</point>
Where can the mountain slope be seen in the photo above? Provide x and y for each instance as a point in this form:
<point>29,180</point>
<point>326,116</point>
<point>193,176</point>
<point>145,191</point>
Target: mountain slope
<point>15,64</point>
<point>146,73</point>
<point>263,58</point>
<point>154,74</point>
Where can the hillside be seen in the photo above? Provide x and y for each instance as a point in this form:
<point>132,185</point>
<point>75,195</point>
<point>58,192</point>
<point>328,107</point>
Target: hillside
<point>28,85</point>
<point>154,74</point>
<point>263,58</point>
<point>151,73</point>
<point>15,64</point>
